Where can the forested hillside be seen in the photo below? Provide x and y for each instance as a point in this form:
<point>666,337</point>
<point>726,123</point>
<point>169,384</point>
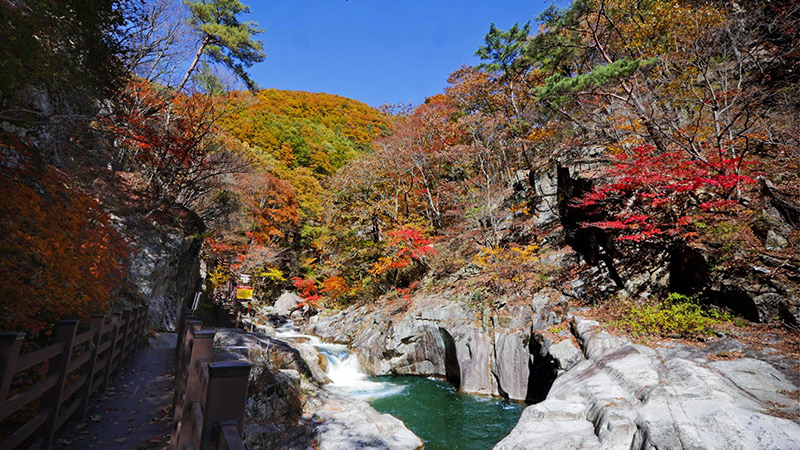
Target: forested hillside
<point>600,218</point>
<point>658,140</point>
<point>271,216</point>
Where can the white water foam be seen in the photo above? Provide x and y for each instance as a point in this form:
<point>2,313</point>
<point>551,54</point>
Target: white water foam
<point>343,369</point>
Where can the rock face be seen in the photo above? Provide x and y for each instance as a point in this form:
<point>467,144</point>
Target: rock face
<point>626,396</point>
<point>164,268</point>
<point>476,351</point>
<point>767,290</point>
<point>314,361</point>
<point>565,354</point>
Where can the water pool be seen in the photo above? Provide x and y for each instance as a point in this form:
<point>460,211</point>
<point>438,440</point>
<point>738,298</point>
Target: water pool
<point>445,419</point>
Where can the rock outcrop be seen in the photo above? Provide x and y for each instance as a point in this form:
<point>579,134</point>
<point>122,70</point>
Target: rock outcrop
<point>477,351</point>
<point>286,407</point>
<point>627,396</point>
<point>763,287</point>
<point>286,303</point>
<point>345,424</point>
<point>164,267</point>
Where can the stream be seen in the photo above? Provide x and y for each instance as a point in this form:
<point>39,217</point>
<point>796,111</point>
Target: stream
<point>433,409</point>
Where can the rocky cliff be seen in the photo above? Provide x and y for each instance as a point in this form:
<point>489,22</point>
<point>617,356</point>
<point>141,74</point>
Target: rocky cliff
<point>748,266</point>
<point>164,267</point>
<point>478,351</point>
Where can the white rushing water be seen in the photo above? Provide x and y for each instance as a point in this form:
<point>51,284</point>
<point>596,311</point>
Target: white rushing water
<point>343,369</point>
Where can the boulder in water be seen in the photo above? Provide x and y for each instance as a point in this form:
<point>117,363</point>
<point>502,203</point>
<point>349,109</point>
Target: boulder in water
<point>312,357</point>
<point>286,303</point>
<point>347,424</point>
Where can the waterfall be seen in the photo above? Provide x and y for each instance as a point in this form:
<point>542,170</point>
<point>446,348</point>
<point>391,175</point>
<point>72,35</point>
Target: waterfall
<point>343,369</point>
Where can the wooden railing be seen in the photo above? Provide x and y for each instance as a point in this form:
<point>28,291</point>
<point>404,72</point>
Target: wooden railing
<point>78,365</point>
<point>209,396</point>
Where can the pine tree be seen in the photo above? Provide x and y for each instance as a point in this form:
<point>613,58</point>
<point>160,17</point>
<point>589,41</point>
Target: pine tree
<point>223,38</point>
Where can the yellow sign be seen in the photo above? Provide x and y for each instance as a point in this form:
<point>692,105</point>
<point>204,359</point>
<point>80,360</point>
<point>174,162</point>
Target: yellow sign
<point>244,292</point>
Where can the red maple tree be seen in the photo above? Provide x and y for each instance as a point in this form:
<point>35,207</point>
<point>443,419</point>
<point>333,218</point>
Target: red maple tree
<point>658,195</point>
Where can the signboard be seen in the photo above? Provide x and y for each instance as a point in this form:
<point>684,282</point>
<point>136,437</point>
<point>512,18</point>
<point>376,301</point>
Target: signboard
<point>245,278</point>
<point>244,292</point>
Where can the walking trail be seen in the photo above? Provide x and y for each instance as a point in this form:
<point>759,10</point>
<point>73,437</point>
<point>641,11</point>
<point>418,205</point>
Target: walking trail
<point>135,412</point>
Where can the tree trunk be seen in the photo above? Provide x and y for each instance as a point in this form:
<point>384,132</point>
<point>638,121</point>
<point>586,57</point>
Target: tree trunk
<point>192,66</point>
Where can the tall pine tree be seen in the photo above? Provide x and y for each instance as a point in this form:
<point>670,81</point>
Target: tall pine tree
<point>223,38</point>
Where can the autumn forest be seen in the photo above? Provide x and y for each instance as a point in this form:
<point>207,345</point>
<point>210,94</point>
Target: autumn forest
<point>588,236</point>
<point>685,111</point>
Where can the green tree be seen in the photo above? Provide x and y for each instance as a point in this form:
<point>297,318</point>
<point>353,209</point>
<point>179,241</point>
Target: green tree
<point>505,50</point>
<point>223,38</point>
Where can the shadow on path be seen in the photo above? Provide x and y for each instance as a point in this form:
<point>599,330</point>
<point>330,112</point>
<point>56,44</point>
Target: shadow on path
<point>135,412</point>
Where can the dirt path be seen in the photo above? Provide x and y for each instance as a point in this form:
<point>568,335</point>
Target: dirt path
<point>135,413</point>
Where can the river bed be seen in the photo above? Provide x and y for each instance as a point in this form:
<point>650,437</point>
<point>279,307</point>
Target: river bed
<point>433,409</point>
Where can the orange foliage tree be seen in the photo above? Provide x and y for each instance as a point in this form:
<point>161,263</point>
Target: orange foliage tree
<point>61,256</point>
<point>334,287</point>
<point>407,245</point>
<point>172,141</point>
<point>307,289</point>
<point>271,205</point>
<point>657,196</point>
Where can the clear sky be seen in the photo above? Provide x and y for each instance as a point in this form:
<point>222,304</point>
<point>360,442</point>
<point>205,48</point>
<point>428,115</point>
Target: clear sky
<point>376,51</point>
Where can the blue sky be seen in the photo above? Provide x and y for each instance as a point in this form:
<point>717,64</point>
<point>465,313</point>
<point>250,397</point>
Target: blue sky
<point>376,51</point>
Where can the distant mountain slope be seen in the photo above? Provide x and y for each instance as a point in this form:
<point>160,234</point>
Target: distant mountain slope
<point>292,129</point>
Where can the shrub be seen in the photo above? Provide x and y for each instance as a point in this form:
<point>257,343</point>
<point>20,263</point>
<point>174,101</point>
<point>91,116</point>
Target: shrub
<point>677,316</point>
<point>509,268</point>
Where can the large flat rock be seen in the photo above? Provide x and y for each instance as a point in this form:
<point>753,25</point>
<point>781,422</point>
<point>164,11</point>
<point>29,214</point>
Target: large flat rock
<point>627,396</point>
<point>346,424</point>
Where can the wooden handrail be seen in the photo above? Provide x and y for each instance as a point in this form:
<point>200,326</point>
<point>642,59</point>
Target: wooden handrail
<point>231,438</point>
<point>38,357</point>
<point>209,396</point>
<point>60,399</point>
<point>22,399</point>
<point>83,337</point>
<point>78,362</point>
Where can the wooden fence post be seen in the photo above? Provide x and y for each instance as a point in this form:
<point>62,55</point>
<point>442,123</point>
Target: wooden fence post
<point>134,340</point>
<point>85,392</point>
<point>182,369</point>
<point>111,349</point>
<point>126,337</point>
<point>202,345</point>
<point>65,334</point>
<point>226,396</point>
<point>185,317</point>
<point>141,329</point>
<point>10,344</point>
